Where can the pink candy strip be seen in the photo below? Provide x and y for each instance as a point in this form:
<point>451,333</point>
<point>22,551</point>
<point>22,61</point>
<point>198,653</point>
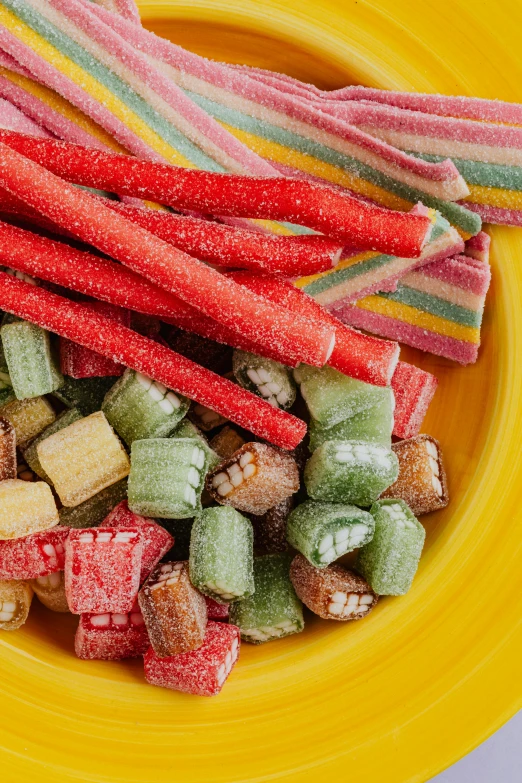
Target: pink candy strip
<point>13,119</point>
<point>126,8</point>
<point>497,215</point>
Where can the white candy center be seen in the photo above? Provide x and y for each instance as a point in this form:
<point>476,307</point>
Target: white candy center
<point>266,632</point>
<point>8,610</point>
<point>272,391</point>
<point>344,540</point>
<point>169,575</point>
<point>395,512</point>
<point>236,474</point>
<point>349,604</point>
<point>230,659</point>
<point>51,581</point>
<point>433,458</point>
<point>167,400</point>
<point>208,417</point>
<point>350,453</point>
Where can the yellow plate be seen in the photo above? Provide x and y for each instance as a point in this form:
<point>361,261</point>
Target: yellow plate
<point>403,694</point>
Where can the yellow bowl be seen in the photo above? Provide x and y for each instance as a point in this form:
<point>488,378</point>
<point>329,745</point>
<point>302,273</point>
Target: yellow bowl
<point>403,694</point>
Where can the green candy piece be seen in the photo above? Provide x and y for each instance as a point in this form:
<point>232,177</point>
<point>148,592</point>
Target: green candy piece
<point>323,532</point>
<point>222,554</point>
<point>86,394</point>
<point>373,425</point>
<point>350,471</point>
<point>274,610</point>
<point>389,562</point>
<point>6,387</point>
<point>268,379</point>
<point>186,429</point>
<point>31,366</point>
<point>31,454</point>
<point>166,477</point>
<point>93,511</point>
<point>140,409</point>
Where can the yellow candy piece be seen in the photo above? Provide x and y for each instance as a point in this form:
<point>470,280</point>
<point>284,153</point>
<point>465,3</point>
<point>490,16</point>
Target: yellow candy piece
<point>28,417</point>
<point>15,602</point>
<point>27,507</point>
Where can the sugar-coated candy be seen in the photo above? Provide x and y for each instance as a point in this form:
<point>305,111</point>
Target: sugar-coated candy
<point>92,512</point>
<point>102,569</point>
<point>175,613</point>
<point>30,453</point>
<point>350,471</point>
<point>83,459</point>
<point>270,528</point>
<point>111,636</point>
<point>7,450</point>
<point>6,387</point>
<point>166,477</point>
<point>31,365</point>
<point>202,672</point>
<point>373,425</point>
<point>156,540</point>
<point>221,554</point>
<point>186,429</point>
<point>270,380</point>
<point>86,394</point>
<point>333,593</point>
<point>274,610</point>
<point>215,610</point>
<point>324,532</point>
<point>28,417</point>
<point>422,480</point>
<point>15,602</point>
<point>389,562</point>
<point>50,591</point>
<point>27,507</point>
<point>226,442</point>
<point>38,554</point>
<point>413,389</point>
<point>79,362</point>
<point>205,418</point>
<point>139,408</point>
<point>254,479</point>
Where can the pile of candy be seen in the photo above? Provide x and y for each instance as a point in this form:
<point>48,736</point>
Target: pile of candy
<point>193,431</point>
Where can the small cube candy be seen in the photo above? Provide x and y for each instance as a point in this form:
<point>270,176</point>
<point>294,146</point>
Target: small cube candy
<point>186,429</point>
<point>102,569</point>
<point>166,477</point>
<point>156,540</point>
<point>7,451</point>
<point>30,453</point>
<point>50,591</point>
<point>30,363</point>
<point>174,612</point>
<point>373,425</point>
<point>215,610</point>
<point>274,610</point>
<point>83,459</point>
<point>254,479</point>
<point>26,508</point>
<point>80,362</point>
<point>92,512</point>
<point>139,408</point>
<point>226,442</point>
<point>15,602</point>
<point>37,554</point>
<point>350,471</point>
<point>414,389</point>
<point>111,636</point>
<point>333,593</point>
<point>270,528</point>
<point>268,379</point>
<point>221,554</point>
<point>422,479</point>
<point>202,672</point>
<point>86,394</point>
<point>389,562</point>
<point>324,532</point>
<point>28,417</point>
<point>205,418</point>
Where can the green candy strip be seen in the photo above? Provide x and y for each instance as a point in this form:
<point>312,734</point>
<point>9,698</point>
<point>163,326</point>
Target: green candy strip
<point>31,367</point>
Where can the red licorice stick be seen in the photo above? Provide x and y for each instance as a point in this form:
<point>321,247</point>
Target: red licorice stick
<point>81,324</point>
<point>315,205</point>
<point>294,338</point>
<point>355,354</point>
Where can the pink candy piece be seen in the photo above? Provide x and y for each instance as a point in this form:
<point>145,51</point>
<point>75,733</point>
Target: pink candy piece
<point>478,247</point>
<point>413,389</point>
<point>125,8</point>
<point>13,119</point>
<point>111,636</point>
<point>102,569</point>
<point>80,362</point>
<point>216,611</point>
<point>201,672</point>
<point>39,554</point>
<point>156,540</point>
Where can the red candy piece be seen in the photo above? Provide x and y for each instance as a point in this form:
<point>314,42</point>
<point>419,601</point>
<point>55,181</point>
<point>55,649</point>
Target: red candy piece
<point>156,540</point>
<point>111,636</point>
<point>80,362</point>
<point>413,389</point>
<point>39,554</point>
<point>216,611</point>
<point>102,569</point>
<point>327,209</point>
<point>201,672</point>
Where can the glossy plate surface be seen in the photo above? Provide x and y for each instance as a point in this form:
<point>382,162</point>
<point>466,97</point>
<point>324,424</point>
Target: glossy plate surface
<point>403,694</point>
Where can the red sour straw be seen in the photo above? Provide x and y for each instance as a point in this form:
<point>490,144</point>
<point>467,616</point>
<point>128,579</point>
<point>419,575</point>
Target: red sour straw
<point>292,337</point>
<point>97,332</point>
<point>329,210</point>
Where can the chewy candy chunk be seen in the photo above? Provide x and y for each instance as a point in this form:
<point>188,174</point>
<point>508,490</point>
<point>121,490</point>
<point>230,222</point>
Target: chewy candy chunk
<point>201,672</point>
<point>186,429</point>
<point>422,479</point>
<point>215,610</point>
<point>37,554</point>
<point>86,394</point>
<point>255,479</point>
<point>111,636</point>
<point>83,459</point>
<point>373,425</point>
<point>221,554</point>
<point>226,442</point>
<point>15,602</point>
<point>323,532</point>
<point>30,453</point>
<point>345,471</point>
<point>79,362</point>
<point>333,593</point>
<point>205,418</point>
<point>102,569</point>
<point>26,507</point>
<point>270,528</point>
<point>30,363</point>
<point>174,612</point>
<point>265,377</point>
<point>50,591</point>
<point>166,478</point>
<point>156,540</point>
<point>413,389</point>
<point>139,408</point>
<point>389,562</point>
<point>28,417</point>
<point>274,610</point>
<point>7,450</point>
<point>92,512</point>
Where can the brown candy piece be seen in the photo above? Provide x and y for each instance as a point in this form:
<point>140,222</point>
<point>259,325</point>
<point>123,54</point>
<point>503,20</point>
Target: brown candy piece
<point>333,593</point>
<point>15,602</point>
<point>422,479</point>
<point>7,450</point>
<point>270,528</point>
<point>226,442</point>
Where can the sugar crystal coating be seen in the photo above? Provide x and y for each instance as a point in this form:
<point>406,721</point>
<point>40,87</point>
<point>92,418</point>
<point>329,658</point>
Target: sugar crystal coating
<point>35,555</point>
<point>15,602</point>
<point>422,480</point>
<point>265,377</point>
<point>86,394</point>
<point>94,510</point>
<point>226,442</point>
<point>373,425</point>
<point>28,417</point>
<point>50,591</point>
<point>111,636</point>
<point>79,362</point>
<point>31,366</point>
<point>27,508</point>
<point>7,450</point>
<point>30,453</point>
<point>186,429</point>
